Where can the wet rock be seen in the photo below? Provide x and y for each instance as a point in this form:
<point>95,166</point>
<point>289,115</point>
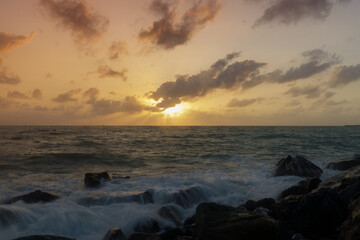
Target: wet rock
<point>345,163</point>
<point>114,234</point>
<point>297,236</point>
<point>190,220</point>
<point>95,179</point>
<point>251,205</point>
<point>141,236</point>
<point>261,210</point>
<point>183,232</point>
<point>342,180</point>
<point>302,187</point>
<point>215,222</point>
<point>350,229</point>
<point>34,197</point>
<point>314,215</point>
<point>297,166</point>
<point>7,217</point>
<point>170,213</point>
<point>188,197</point>
<point>44,237</point>
<point>147,226</point>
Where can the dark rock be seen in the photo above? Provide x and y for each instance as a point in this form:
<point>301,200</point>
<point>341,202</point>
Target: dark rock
<point>292,191</point>
<point>263,211</point>
<point>147,226</point>
<point>190,220</point>
<point>178,233</point>
<point>114,234</point>
<point>215,222</point>
<point>95,179</point>
<point>314,215</point>
<point>342,180</point>
<point>350,229</point>
<point>170,213</point>
<point>251,205</point>
<point>297,236</point>
<point>44,237</point>
<point>187,197</point>
<point>297,166</point>
<point>345,163</point>
<point>34,197</point>
<point>302,187</point>
<point>141,236</point>
<point>7,217</point>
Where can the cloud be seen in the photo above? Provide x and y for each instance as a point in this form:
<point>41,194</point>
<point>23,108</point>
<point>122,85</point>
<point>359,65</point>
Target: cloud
<point>91,94</point>
<point>106,106</point>
<point>169,32</point>
<point>105,71</point>
<point>37,94</point>
<point>17,95</point>
<point>77,16</point>
<point>292,11</point>
<point>243,103</point>
<point>5,103</point>
<point>308,91</point>
<point>10,41</point>
<point>345,75</point>
<point>117,49</point>
<point>10,79</point>
<point>221,75</point>
<point>67,97</point>
<point>40,109</point>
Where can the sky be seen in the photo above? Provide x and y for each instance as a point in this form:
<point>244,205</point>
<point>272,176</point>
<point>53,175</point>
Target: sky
<point>180,62</point>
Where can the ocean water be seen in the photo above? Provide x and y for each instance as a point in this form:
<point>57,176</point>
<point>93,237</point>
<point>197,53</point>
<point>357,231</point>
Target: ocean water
<point>178,166</point>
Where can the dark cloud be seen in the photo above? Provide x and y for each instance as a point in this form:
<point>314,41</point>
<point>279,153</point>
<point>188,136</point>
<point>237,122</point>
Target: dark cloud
<point>117,49</point>
<point>9,41</point>
<point>316,61</point>
<point>308,91</point>
<point>6,78</point>
<point>221,75</point>
<point>78,17</point>
<point>169,32</point>
<point>243,103</point>
<point>40,109</point>
<point>16,94</point>
<point>105,71</point>
<point>106,106</point>
<point>345,75</point>
<point>37,94</point>
<point>67,97</point>
<point>91,94</point>
<point>292,11</point>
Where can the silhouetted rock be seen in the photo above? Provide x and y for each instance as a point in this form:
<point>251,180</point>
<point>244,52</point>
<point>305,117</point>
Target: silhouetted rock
<point>95,179</point>
<point>147,226</point>
<point>314,215</point>
<point>302,187</point>
<point>44,237</point>
<point>345,163</point>
<point>188,197</point>
<point>182,232</point>
<point>114,234</point>
<point>214,222</point>
<point>251,205</point>
<point>350,229</point>
<point>170,213</point>
<point>297,166</point>
<point>190,220</point>
<point>7,217</point>
<point>34,197</point>
<point>297,236</point>
<point>141,236</point>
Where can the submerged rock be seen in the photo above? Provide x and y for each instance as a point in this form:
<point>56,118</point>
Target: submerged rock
<point>170,213</point>
<point>141,236</point>
<point>350,229</point>
<point>214,222</point>
<point>302,187</point>
<point>114,234</point>
<point>147,226</point>
<point>314,215</point>
<point>34,197</point>
<point>7,217</point>
<point>95,179</point>
<point>44,237</point>
<point>297,166</point>
<point>345,163</point>
<point>251,205</point>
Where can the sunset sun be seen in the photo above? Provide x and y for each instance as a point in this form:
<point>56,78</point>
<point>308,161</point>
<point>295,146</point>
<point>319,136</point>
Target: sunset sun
<point>175,111</point>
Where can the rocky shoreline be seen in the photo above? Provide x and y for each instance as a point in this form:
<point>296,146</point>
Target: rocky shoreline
<point>311,209</point>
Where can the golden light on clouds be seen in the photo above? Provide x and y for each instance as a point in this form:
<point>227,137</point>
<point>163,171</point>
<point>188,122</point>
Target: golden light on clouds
<point>176,111</point>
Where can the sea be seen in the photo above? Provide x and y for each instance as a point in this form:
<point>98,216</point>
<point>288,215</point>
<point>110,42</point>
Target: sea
<point>176,166</point>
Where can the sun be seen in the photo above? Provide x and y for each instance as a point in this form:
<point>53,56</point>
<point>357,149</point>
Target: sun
<point>175,111</point>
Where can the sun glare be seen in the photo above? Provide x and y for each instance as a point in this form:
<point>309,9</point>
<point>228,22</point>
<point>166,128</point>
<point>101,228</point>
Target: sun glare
<point>174,111</point>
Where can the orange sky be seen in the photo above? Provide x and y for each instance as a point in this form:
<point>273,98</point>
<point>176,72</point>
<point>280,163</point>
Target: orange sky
<point>179,62</point>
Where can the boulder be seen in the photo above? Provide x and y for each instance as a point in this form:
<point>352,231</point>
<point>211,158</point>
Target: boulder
<point>251,205</point>
<point>141,236</point>
<point>297,166</point>
<point>95,179</point>
<point>170,213</point>
<point>302,187</point>
<point>314,215</point>
<point>190,220</point>
<point>215,222</point>
<point>7,217</point>
<point>350,229</point>
<point>187,197</point>
<point>44,237</point>
<point>147,226</point>
<point>178,233</point>
<point>34,197</point>
<point>345,163</point>
<point>114,234</point>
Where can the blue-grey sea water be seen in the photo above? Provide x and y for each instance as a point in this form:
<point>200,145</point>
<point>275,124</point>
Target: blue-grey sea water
<point>179,166</point>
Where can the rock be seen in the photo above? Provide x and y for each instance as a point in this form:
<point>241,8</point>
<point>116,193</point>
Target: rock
<point>44,237</point>
<point>297,166</point>
<point>314,215</point>
<point>190,220</point>
<point>188,197</point>
<point>141,236</point>
<point>7,217</point>
<point>345,163</point>
<point>302,187</point>
<point>251,205</point>
<point>297,236</point>
<point>34,197</point>
<point>147,226</point>
<point>95,179</point>
<point>350,229</point>
<point>170,213</point>
<point>214,222</point>
<point>114,234</point>
<point>263,211</point>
